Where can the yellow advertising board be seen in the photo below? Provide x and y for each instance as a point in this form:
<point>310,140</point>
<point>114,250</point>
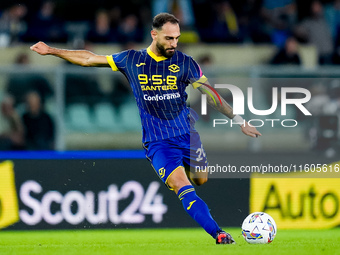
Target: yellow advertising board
<point>9,210</point>
<point>306,200</point>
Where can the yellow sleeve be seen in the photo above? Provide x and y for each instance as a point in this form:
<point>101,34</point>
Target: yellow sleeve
<point>112,63</point>
<point>199,82</point>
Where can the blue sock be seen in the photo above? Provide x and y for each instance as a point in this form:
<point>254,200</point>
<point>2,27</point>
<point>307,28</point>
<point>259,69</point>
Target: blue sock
<point>198,209</point>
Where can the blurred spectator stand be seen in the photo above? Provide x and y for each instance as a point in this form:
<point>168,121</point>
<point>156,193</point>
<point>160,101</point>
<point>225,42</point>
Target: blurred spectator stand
<point>315,30</point>
<point>19,84</point>
<point>11,127</point>
<point>12,24</point>
<point>45,26</point>
<point>39,126</point>
<point>101,30</point>
<point>287,55</point>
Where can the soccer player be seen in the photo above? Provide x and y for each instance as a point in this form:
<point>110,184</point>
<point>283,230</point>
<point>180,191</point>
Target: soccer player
<point>158,76</point>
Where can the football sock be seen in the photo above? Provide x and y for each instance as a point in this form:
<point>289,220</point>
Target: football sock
<point>198,209</point>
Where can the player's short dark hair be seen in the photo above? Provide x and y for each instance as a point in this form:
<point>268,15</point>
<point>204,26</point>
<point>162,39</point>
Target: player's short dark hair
<point>160,19</point>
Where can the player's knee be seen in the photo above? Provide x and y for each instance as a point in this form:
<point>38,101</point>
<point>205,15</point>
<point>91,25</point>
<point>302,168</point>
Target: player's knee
<point>199,181</point>
<point>178,179</point>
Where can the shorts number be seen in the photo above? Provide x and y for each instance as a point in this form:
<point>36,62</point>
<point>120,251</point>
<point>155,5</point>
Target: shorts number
<point>201,154</point>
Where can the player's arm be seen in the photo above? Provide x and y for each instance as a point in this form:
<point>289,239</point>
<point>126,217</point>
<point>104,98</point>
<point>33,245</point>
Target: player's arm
<point>78,57</point>
<point>223,107</point>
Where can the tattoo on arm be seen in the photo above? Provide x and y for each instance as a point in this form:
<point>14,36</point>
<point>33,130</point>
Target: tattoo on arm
<point>216,101</point>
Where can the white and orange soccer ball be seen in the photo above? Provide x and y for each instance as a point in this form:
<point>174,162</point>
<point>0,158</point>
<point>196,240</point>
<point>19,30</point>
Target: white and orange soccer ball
<point>259,228</point>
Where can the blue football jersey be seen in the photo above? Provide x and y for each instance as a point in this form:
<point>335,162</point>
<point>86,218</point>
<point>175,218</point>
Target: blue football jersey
<point>158,84</point>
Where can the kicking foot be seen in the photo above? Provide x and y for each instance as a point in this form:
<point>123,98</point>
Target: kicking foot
<point>224,238</point>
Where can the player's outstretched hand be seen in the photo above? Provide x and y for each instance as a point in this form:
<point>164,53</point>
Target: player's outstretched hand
<point>41,48</point>
<point>250,130</point>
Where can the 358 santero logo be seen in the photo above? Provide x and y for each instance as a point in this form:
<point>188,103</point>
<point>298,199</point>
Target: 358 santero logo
<point>9,213</point>
<point>157,82</point>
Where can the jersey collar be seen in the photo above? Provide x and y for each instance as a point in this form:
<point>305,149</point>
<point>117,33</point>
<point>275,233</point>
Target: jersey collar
<point>153,55</point>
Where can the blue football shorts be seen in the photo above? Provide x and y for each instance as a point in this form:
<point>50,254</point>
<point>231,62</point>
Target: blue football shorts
<point>168,155</point>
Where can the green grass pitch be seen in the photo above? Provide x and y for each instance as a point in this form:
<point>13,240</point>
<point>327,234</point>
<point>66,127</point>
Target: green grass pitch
<point>163,241</point>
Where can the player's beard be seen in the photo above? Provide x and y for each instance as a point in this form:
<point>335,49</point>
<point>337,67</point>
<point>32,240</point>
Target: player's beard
<point>164,52</point>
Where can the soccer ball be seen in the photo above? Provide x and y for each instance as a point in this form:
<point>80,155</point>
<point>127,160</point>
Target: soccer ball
<point>259,228</point>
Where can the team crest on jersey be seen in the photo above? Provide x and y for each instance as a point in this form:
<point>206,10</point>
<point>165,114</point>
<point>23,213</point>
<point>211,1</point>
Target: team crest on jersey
<point>174,68</point>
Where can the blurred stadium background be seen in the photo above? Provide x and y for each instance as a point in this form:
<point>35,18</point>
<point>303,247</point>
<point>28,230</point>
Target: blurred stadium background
<point>94,109</point>
<point>249,43</point>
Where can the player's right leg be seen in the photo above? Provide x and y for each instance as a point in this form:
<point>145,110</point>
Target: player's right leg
<point>195,206</point>
<point>167,160</point>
